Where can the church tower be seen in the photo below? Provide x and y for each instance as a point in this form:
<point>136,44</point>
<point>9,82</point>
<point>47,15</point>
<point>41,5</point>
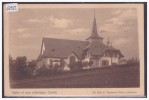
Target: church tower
<point>94,36</point>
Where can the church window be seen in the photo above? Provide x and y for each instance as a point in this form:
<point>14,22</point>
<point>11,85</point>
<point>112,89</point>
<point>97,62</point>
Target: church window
<point>105,62</point>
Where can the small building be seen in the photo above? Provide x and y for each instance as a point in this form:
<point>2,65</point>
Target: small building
<point>53,51</point>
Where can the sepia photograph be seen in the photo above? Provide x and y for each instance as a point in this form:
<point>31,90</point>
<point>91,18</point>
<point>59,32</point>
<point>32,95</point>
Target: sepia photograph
<point>89,49</point>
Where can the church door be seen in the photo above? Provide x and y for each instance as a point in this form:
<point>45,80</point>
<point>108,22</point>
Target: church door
<point>72,61</point>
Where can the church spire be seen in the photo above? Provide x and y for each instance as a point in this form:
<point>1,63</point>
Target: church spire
<point>94,29</point>
<point>94,13</point>
<point>94,34</point>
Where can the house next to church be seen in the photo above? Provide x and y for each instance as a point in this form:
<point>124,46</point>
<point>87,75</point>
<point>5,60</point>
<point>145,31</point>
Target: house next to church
<point>53,51</point>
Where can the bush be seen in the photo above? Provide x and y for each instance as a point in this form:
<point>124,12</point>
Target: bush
<point>43,71</point>
<point>85,64</point>
<point>18,68</point>
<point>90,63</point>
<point>32,67</point>
<point>76,66</point>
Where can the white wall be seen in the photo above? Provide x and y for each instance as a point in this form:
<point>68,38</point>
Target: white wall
<point>114,60</point>
<point>43,48</point>
<point>46,61</point>
<point>86,59</point>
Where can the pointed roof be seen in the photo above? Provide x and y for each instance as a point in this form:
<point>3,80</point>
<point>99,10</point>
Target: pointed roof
<point>94,34</point>
<point>56,48</point>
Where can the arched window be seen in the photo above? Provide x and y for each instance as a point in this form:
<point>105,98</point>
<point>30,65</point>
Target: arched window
<point>72,59</point>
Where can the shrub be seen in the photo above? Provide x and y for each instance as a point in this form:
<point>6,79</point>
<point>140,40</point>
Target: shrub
<point>90,63</point>
<point>85,64</point>
<point>76,66</point>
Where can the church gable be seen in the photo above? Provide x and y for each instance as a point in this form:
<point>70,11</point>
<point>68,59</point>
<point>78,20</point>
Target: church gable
<point>73,55</point>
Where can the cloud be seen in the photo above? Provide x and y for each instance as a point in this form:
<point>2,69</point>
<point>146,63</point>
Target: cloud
<point>78,30</point>
<point>20,30</point>
<point>125,16</point>
<point>120,25</point>
<point>22,33</point>
<point>60,23</point>
<point>107,29</point>
<point>35,20</point>
<point>118,11</point>
<point>115,21</point>
<point>122,41</point>
<point>25,35</point>
<point>129,14</point>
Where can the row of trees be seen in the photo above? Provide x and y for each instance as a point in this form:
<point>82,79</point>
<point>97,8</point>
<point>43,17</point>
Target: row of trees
<point>21,68</point>
<point>132,60</point>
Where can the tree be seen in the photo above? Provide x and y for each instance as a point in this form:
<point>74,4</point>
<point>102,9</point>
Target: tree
<point>32,67</point>
<point>76,66</point>
<point>85,64</point>
<point>21,67</point>
<point>62,64</point>
<point>90,63</point>
<point>12,68</point>
<point>56,67</point>
<point>72,62</point>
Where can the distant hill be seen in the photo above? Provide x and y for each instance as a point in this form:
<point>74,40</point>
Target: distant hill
<point>109,77</point>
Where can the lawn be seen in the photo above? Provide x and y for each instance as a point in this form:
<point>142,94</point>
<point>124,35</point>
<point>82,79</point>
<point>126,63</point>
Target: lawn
<point>110,77</point>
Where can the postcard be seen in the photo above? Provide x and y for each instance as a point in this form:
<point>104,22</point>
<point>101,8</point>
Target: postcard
<point>74,50</point>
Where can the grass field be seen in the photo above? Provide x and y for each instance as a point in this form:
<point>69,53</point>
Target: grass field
<point>110,77</point>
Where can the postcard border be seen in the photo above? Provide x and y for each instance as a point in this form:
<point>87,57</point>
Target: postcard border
<point>145,47</point>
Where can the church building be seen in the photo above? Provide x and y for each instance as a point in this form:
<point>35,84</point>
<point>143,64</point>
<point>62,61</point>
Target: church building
<point>54,51</point>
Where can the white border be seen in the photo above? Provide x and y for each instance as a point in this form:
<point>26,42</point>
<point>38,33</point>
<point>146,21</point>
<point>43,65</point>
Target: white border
<point>70,1</point>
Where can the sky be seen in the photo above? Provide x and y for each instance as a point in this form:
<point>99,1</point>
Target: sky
<point>29,26</point>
